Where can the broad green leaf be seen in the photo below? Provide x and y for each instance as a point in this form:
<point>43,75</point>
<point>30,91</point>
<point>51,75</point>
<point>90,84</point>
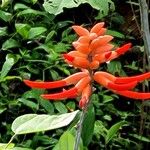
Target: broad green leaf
<point>29,103</point>
<point>115,34</point>
<point>88,126</point>
<point>60,107</point>
<point>113,131</point>
<point>56,7</point>
<point>36,31</point>
<point>31,123</point>
<point>5,16</point>
<point>3,31</point>
<point>10,43</point>
<point>9,147</point>
<point>66,142</point>
<point>23,29</point>
<point>10,61</point>
<point>47,105</point>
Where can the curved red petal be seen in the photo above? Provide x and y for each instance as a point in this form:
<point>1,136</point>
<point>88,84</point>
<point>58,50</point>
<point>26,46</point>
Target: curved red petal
<point>73,92</point>
<point>134,95</point>
<point>45,85</point>
<point>133,78</point>
<point>121,87</point>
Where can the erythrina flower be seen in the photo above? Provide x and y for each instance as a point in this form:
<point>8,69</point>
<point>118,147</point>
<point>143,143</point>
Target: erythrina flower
<point>90,50</point>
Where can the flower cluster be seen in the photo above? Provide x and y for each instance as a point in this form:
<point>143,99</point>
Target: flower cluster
<point>90,50</point>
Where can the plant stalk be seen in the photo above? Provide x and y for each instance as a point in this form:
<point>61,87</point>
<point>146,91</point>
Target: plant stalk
<point>145,27</point>
<point>79,130</point>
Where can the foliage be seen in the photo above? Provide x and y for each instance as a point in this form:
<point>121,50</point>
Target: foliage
<point>56,7</point>
<point>33,36</point>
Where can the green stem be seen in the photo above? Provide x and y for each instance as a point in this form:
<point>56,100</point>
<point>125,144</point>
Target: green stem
<point>80,125</point>
<point>79,130</point>
<point>10,141</point>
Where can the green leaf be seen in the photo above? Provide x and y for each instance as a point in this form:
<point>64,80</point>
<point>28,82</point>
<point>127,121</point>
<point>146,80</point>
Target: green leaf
<point>107,98</point>
<point>21,148</point>
<point>34,1</point>
<point>47,105</point>
<point>113,131</point>
<point>99,129</point>
<point>2,109</point>
<point>23,29</point>
<point>3,31</point>
<point>20,6</point>
<point>28,103</point>
<point>5,3</point>
<point>66,142</point>
<point>10,43</point>
<point>104,6</point>
<point>50,36</point>
<point>31,123</point>
<point>36,31</point>
<point>5,16</point>
<point>30,11</point>
<point>60,107</point>
<point>115,34</point>
<point>33,93</point>
<point>10,61</point>
<point>56,7</point>
<point>141,138</point>
<point>114,67</point>
<point>9,147</point>
<point>71,105</point>
<point>88,126</point>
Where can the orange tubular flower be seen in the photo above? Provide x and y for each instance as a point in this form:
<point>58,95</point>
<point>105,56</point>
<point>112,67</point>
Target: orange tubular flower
<point>91,49</point>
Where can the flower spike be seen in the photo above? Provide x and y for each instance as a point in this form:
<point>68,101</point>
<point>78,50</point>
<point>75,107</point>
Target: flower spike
<point>92,48</point>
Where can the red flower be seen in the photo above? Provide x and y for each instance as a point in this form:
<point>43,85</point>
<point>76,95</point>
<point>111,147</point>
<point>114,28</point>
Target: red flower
<point>90,50</point>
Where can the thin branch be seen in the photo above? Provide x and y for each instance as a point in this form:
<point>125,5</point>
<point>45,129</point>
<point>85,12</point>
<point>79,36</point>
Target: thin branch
<point>145,27</point>
<point>135,18</point>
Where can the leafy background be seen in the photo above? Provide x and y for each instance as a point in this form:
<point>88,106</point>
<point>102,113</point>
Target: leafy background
<point>33,36</point>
